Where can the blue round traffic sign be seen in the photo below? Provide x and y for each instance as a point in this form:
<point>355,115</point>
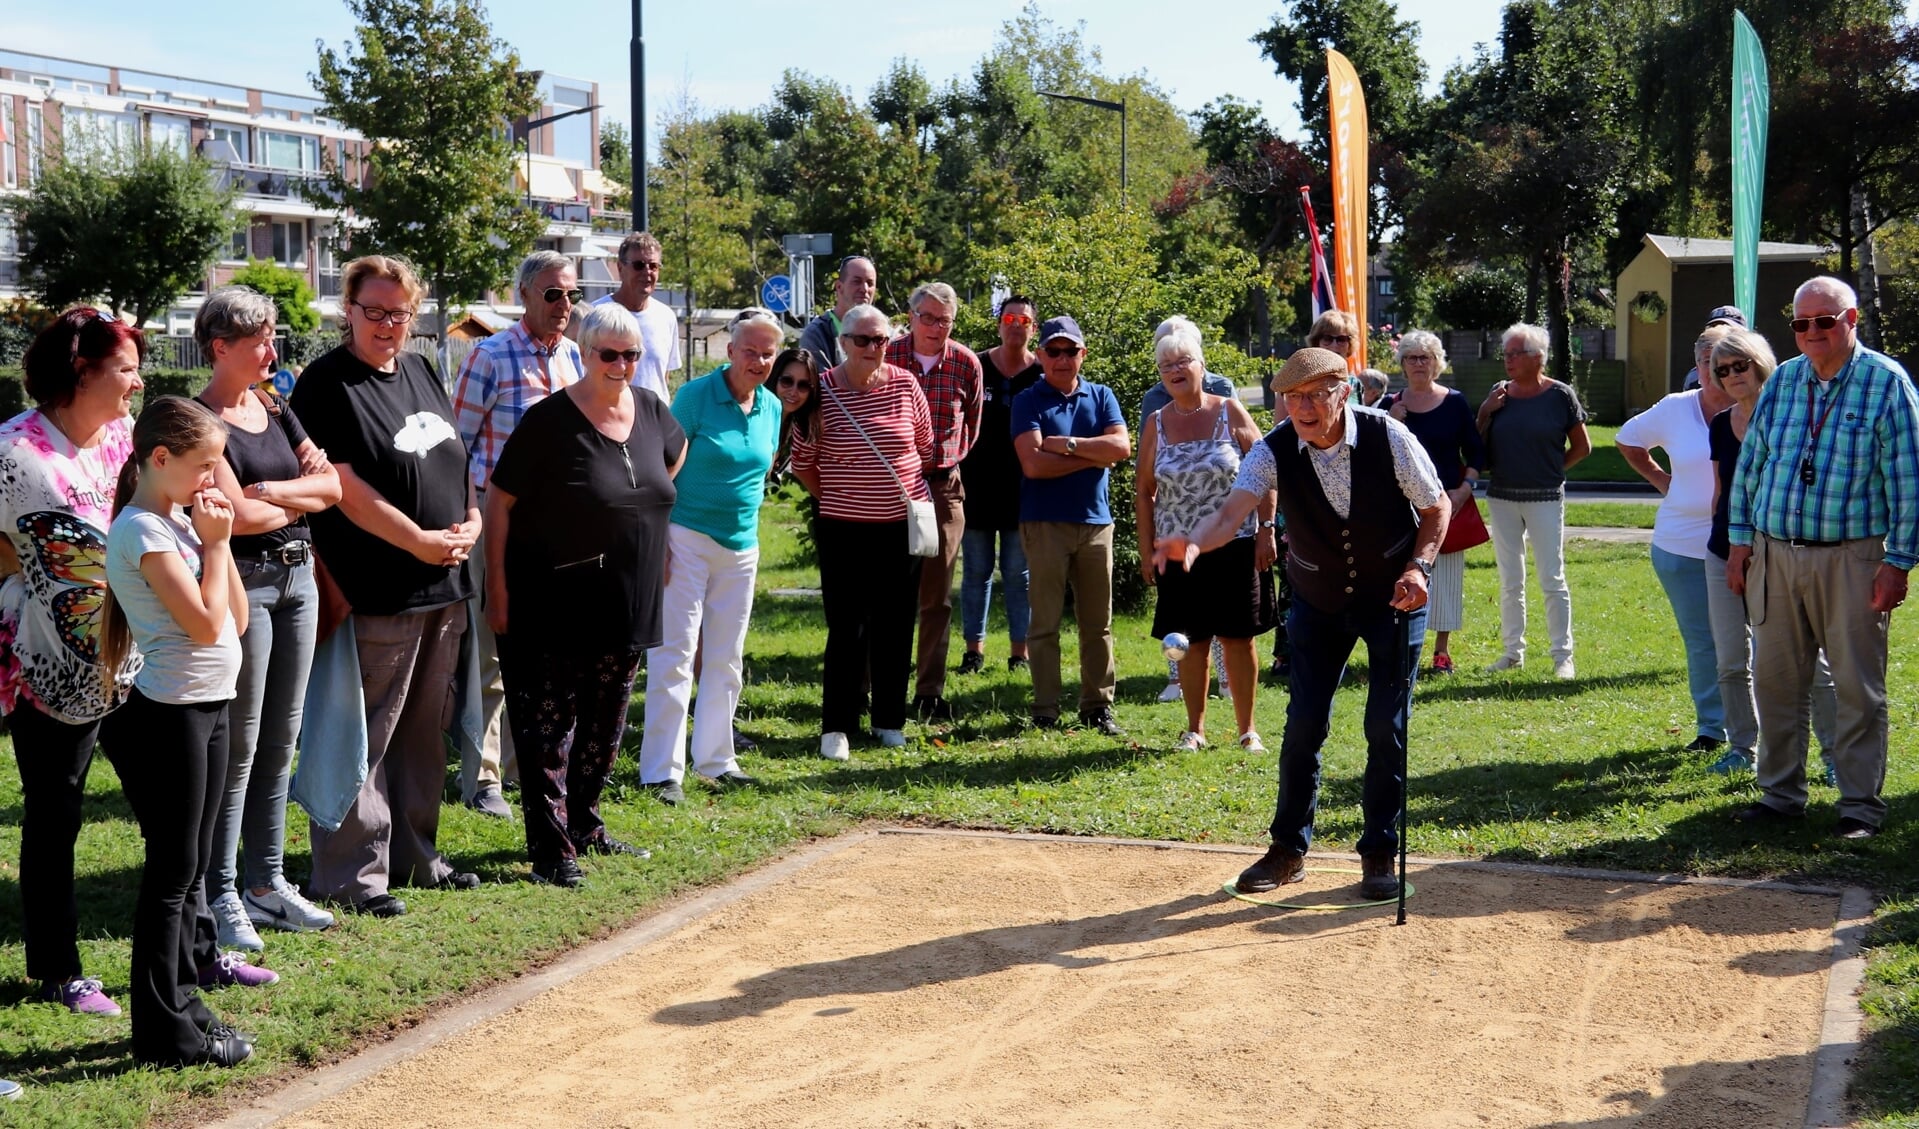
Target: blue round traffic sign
<point>776,294</point>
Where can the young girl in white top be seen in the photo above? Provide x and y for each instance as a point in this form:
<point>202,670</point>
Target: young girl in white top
<point>175,593</point>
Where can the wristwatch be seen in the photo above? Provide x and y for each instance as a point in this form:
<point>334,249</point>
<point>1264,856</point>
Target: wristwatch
<point>1072,444</point>
<point>1423,565</point>
<point>1268,524</point>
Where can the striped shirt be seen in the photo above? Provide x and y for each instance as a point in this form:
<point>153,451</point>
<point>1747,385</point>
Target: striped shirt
<point>505,375</point>
<point>1864,463</point>
<point>955,394</point>
<point>855,486</point>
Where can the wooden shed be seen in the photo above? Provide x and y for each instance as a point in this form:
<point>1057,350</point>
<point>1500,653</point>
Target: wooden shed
<point>1665,293</point>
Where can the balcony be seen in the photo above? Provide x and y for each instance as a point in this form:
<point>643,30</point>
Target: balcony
<point>606,222</point>
<point>261,182</point>
<point>565,211</point>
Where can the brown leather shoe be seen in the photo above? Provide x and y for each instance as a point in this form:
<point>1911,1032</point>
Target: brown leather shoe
<point>1378,879</point>
<point>1276,868</point>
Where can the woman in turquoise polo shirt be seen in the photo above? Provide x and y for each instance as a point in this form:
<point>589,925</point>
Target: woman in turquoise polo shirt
<point>732,425</point>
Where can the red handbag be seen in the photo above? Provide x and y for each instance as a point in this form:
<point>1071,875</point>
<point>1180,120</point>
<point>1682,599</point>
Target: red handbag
<point>1466,531</point>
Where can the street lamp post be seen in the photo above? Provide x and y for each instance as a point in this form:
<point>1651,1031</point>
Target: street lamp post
<point>637,63</point>
<point>1118,107</point>
<point>535,124</point>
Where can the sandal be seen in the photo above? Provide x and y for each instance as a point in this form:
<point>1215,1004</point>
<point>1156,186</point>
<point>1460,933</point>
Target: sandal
<point>1190,742</point>
<point>1250,742</point>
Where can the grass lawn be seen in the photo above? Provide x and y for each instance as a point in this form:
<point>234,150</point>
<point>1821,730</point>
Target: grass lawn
<point>1522,768</point>
<point>1605,464</point>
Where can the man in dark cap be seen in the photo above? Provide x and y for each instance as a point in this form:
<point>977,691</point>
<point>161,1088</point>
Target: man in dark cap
<point>1365,513</point>
<point>1721,315</point>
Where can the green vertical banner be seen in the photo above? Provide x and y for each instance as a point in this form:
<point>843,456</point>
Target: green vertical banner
<point>1751,108</point>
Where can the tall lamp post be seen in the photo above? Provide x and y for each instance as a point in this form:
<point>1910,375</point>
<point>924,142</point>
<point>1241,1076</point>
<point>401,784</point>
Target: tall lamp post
<point>535,124</point>
<point>637,64</point>
<point>1118,107</point>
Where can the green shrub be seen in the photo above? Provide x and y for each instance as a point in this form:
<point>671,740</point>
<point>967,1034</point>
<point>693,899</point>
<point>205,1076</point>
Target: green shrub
<point>291,295</point>
<point>13,391</point>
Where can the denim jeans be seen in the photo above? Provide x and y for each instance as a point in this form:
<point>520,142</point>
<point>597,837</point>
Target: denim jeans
<point>976,583</point>
<point>1684,579</point>
<point>276,653</point>
<point>1321,643</point>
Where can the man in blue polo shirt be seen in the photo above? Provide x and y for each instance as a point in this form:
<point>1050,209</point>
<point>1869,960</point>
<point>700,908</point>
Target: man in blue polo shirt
<point>1067,432</point>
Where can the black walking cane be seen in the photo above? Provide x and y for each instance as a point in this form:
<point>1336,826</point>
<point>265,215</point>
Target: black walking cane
<point>1404,621</point>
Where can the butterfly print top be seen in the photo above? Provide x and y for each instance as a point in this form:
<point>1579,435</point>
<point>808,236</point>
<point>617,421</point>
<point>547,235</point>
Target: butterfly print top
<point>56,501</point>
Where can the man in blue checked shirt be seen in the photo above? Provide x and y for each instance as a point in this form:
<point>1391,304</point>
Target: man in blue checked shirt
<point>1824,526</point>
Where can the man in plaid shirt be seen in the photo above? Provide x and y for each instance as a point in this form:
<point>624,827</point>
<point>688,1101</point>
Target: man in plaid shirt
<point>505,375</point>
<point>1824,526</point>
<point>955,386</point>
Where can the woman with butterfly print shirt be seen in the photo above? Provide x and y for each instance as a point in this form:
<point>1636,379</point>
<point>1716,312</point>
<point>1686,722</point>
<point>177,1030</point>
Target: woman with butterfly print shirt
<point>58,464</point>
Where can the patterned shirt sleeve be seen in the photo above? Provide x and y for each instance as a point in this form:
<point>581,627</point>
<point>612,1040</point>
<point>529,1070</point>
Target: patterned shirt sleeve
<point>472,402</point>
<point>1258,473</point>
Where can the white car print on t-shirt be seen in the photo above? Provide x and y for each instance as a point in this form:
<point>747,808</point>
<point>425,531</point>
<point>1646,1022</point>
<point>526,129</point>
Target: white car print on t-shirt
<point>423,432</point>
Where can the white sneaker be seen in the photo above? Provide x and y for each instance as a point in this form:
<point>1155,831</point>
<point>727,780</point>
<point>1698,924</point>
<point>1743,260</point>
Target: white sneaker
<point>1563,670</point>
<point>1506,662</point>
<point>231,925</point>
<point>284,908</point>
<point>833,747</point>
<point>891,738</point>
<point>1171,693</point>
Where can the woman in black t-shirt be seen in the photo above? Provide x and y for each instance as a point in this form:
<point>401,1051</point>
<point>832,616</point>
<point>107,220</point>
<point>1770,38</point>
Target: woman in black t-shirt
<point>576,568</point>
<point>276,477</point>
<point>397,546</point>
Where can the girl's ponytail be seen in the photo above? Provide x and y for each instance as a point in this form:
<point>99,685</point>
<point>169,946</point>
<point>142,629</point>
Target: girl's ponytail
<point>116,638</point>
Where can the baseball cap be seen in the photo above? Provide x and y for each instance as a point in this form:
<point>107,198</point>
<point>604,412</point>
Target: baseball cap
<point>1729,314</point>
<point>1062,326</point>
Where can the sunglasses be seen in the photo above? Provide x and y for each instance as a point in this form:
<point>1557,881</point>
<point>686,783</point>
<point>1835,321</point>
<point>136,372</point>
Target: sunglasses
<point>630,356</point>
<point>554,293</point>
<point>796,382</point>
<point>1339,339</point>
<point>381,313</point>
<point>1730,367</point>
<point>1015,319</point>
<point>642,264</point>
<point>867,340</point>
<point>1823,321</point>
<point>1057,351</point>
<point>1319,396</point>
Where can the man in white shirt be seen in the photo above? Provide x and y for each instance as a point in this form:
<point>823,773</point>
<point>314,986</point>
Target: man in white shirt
<point>640,257</point>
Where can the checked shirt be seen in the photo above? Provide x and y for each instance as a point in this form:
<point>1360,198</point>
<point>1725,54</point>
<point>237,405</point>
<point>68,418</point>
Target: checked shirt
<point>1864,460</point>
<point>505,375</point>
<point>955,395</point>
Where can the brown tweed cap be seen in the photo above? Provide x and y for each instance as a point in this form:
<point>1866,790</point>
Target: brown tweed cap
<point>1307,365</point>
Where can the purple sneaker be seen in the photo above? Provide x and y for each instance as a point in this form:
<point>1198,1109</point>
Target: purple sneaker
<point>232,968</point>
<point>81,995</point>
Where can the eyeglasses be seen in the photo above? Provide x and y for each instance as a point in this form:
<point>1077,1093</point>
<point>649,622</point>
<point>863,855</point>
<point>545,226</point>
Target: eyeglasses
<point>1319,397</point>
<point>800,383</point>
<point>936,320</point>
<point>630,356</point>
<point>1334,339</point>
<point>1015,319</point>
<point>1411,357</point>
<point>553,294</point>
<point>1176,364</point>
<point>1058,351</point>
<point>642,264</point>
<point>867,340</point>
<point>381,313</point>
<point>1741,367</point>
<point>1823,321</point>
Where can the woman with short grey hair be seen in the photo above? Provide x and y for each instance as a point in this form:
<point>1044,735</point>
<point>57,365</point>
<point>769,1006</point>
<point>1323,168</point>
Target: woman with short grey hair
<point>275,475</point>
<point>1535,430</point>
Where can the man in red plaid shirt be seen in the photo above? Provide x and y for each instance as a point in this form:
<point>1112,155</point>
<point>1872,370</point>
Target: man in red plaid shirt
<point>950,376</point>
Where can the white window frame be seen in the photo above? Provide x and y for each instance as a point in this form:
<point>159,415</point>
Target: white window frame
<point>308,143</point>
<point>221,131</point>
<point>286,240</point>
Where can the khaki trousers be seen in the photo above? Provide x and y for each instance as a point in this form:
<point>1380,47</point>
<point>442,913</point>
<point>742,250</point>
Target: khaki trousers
<point>936,587</point>
<point>1801,600</point>
<point>1059,553</point>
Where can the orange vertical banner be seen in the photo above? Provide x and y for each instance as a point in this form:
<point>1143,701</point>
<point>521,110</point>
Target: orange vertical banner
<point>1346,114</point>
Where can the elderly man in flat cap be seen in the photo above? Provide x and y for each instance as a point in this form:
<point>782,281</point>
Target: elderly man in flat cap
<point>1365,514</point>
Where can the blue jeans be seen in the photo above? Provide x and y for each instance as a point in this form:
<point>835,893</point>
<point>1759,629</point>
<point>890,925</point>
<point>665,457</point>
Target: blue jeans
<point>276,654</point>
<point>976,583</point>
<point>1684,579</point>
<point>1321,643</point>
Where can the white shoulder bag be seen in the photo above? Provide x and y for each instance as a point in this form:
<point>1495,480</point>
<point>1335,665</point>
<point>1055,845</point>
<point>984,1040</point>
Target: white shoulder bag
<point>922,529</point>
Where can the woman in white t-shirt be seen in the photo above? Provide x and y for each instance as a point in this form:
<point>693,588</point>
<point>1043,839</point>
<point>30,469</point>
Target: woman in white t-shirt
<point>1683,525</point>
<point>175,593</point>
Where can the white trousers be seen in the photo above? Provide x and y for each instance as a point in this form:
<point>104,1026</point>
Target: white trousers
<point>708,601</point>
<point>1543,524</point>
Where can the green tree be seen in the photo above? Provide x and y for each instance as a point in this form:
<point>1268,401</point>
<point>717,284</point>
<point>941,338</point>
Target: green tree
<point>133,228</point>
<point>291,295</point>
<point>1102,268</point>
<point>430,86</point>
<point>1256,174</point>
<point>705,235</point>
<point>1480,298</point>
<point>616,163</point>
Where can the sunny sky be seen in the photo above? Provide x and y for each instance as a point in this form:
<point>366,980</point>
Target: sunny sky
<point>1197,53</point>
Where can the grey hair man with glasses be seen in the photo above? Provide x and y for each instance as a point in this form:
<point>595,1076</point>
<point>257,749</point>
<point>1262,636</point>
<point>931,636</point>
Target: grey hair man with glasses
<point>504,376</point>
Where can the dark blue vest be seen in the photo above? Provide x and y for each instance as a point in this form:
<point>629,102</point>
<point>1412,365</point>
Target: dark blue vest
<point>1336,562</point>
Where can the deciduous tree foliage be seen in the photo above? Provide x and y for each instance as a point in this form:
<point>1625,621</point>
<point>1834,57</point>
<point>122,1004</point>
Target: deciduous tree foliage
<point>292,297</point>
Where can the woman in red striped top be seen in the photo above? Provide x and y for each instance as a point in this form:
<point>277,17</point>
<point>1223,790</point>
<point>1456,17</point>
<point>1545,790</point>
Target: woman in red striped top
<point>868,581</point>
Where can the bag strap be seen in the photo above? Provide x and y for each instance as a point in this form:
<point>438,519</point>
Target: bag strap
<point>833,398</point>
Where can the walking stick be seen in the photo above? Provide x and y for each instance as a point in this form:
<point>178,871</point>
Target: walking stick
<point>1404,622</point>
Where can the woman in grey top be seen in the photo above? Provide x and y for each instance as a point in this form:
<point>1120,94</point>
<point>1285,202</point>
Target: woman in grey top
<point>1535,431</point>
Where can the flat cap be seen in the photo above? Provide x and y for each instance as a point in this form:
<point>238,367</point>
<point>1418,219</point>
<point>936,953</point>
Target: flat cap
<point>1307,365</point>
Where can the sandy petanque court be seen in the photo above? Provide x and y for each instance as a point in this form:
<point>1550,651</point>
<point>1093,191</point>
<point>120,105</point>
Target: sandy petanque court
<point>949,980</point>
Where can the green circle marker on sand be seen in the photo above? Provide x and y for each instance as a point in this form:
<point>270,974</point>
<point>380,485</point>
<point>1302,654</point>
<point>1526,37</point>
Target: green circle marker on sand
<point>1392,901</point>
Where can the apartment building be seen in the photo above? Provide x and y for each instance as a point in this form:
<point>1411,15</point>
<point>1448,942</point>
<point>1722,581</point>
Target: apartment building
<point>272,145</point>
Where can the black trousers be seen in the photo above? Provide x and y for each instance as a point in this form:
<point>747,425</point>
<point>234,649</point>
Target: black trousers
<point>54,757</point>
<point>567,710</point>
<point>172,762</point>
<point>870,586</point>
